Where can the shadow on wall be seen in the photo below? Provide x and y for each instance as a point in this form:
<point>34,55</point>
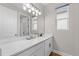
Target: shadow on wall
<point>56,47</point>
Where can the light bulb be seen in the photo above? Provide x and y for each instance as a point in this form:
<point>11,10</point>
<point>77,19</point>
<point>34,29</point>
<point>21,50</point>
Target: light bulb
<point>24,7</point>
<point>36,14</point>
<point>32,8</point>
<point>33,13</point>
<point>36,11</point>
<point>39,13</point>
<point>29,10</point>
<point>28,5</point>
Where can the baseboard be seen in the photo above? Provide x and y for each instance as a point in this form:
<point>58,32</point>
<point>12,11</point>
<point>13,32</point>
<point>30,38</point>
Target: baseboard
<point>61,53</point>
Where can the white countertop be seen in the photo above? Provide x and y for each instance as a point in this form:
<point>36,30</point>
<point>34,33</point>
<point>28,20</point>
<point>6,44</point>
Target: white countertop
<point>15,46</point>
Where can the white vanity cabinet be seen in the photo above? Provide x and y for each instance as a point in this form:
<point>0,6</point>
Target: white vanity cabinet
<point>40,46</point>
<point>48,46</point>
<point>36,50</point>
<point>43,48</point>
<point>39,52</point>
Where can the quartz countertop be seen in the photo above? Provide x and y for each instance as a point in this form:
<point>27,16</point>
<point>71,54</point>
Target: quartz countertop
<point>15,46</point>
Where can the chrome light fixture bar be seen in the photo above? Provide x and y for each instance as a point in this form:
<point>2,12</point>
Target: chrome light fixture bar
<point>31,9</point>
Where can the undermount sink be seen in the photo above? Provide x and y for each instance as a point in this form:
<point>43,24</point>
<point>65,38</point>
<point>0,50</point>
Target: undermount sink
<point>30,37</point>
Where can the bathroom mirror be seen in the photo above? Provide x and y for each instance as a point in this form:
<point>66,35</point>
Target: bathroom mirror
<point>24,25</point>
<point>15,21</point>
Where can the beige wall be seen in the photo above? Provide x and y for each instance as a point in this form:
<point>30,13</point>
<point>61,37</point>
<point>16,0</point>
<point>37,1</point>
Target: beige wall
<point>66,41</point>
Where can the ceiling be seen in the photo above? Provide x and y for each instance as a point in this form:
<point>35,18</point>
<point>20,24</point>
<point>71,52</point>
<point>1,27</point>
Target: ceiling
<point>19,6</point>
<point>45,4</point>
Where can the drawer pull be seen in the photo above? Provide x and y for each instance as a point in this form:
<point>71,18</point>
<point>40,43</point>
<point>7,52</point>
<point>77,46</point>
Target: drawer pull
<point>49,44</point>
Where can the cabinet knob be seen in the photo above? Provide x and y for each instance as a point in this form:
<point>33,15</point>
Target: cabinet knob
<point>49,44</point>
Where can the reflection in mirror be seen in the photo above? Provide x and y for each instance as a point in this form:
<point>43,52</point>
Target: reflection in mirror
<point>16,22</point>
<point>24,25</point>
<point>34,26</point>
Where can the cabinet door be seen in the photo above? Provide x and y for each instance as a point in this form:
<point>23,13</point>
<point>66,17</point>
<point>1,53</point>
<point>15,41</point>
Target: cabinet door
<point>36,50</point>
<point>48,46</point>
<point>51,44</point>
<point>39,52</point>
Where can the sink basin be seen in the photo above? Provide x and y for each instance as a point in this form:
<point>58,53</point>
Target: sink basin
<point>30,37</point>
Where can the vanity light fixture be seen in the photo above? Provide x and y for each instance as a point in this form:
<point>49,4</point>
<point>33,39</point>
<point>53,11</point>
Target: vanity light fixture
<point>31,9</point>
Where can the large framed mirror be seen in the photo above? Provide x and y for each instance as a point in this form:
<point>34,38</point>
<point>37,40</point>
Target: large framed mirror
<point>17,22</point>
<point>24,25</point>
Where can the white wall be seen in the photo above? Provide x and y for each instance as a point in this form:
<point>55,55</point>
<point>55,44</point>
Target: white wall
<point>8,22</point>
<point>41,20</point>
<point>50,18</point>
<point>66,41</point>
<point>41,24</point>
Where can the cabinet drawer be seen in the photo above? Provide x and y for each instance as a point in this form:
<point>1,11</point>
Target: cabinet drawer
<point>30,51</point>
